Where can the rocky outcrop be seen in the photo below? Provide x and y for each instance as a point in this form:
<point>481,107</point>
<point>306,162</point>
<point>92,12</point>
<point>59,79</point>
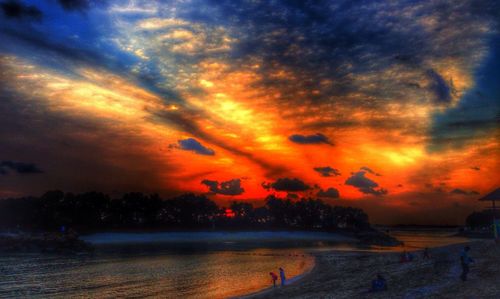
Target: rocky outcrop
<point>43,242</point>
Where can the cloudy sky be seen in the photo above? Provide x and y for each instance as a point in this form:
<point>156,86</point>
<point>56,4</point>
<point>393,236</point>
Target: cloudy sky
<point>391,106</point>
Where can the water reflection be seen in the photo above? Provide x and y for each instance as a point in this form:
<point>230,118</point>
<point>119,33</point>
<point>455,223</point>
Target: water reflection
<point>213,274</point>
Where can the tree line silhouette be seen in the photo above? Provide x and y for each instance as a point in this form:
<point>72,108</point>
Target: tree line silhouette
<point>93,211</point>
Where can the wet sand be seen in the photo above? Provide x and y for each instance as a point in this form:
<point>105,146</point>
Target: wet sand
<point>349,275</point>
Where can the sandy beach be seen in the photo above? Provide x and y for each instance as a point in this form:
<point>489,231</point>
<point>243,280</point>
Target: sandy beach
<point>349,274</point>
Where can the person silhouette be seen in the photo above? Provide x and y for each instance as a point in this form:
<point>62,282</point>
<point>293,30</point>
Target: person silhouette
<point>282,276</point>
<point>274,277</point>
<point>465,261</point>
<point>426,254</point>
<point>379,284</point>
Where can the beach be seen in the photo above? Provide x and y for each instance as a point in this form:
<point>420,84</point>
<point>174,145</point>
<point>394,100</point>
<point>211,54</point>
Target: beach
<point>349,275</point>
<point>235,264</point>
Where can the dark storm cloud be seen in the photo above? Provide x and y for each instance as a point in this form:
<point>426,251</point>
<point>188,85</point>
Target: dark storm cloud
<point>334,39</point>
<point>327,171</point>
<point>463,192</point>
<point>329,193</point>
<point>370,171</point>
<point>231,187</point>
<point>191,144</point>
<point>477,114</point>
<point>287,184</point>
<point>19,167</point>
<point>441,88</point>
<point>303,36</point>
<point>310,139</point>
<point>364,184</point>
<point>17,9</point>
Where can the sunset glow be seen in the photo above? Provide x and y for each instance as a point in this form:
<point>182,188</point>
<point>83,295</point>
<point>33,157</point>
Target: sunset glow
<point>392,107</point>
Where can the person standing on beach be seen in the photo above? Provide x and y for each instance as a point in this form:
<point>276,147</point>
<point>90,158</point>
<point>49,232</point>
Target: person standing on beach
<point>379,284</point>
<point>282,276</point>
<point>404,257</point>
<point>426,254</point>
<point>465,261</point>
<point>274,277</point>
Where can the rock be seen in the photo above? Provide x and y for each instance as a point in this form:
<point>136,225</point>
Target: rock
<point>46,242</point>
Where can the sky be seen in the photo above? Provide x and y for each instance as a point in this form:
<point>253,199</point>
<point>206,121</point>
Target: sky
<point>390,106</point>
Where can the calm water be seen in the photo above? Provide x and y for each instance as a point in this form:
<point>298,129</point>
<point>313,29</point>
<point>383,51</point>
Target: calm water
<point>217,269</point>
<point>208,275</point>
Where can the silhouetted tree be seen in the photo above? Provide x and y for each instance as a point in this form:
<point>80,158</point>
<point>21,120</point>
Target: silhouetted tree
<point>20,212</point>
<point>482,219</point>
<point>90,210</point>
<point>311,213</point>
<point>281,211</point>
<point>244,214</point>
<point>54,209</point>
<point>97,211</point>
<point>191,210</point>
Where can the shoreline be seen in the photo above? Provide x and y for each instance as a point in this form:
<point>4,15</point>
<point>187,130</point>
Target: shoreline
<point>437,277</point>
<point>293,281</point>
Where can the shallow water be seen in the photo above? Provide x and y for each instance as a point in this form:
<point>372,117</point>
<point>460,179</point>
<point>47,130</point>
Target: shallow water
<point>418,239</point>
<point>215,274</point>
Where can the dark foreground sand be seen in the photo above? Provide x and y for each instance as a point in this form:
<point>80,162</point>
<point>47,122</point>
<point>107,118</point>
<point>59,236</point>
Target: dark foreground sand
<point>348,275</point>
